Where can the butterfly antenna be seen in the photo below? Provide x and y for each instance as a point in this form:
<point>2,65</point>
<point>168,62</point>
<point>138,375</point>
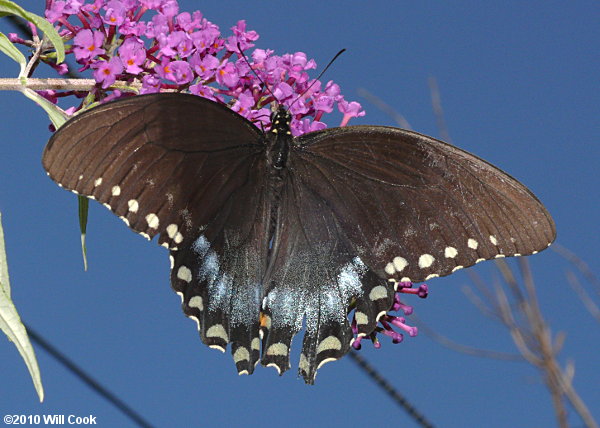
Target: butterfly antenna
<point>319,76</point>
<point>242,55</point>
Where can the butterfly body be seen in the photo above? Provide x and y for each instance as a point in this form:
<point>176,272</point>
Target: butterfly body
<point>267,231</point>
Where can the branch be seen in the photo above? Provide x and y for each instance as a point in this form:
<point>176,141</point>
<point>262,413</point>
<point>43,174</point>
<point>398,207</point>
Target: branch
<point>14,84</point>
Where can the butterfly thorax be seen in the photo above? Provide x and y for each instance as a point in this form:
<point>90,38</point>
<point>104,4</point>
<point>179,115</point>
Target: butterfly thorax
<point>279,138</point>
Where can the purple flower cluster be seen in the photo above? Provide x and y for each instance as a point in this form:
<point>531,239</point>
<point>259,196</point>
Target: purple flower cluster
<point>150,43</point>
<point>387,322</point>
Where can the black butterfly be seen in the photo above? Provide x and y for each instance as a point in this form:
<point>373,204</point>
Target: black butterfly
<point>267,230</point>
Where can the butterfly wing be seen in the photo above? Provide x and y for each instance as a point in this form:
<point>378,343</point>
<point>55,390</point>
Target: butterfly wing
<point>313,276</point>
<point>368,207</point>
<point>192,172</point>
<point>415,207</point>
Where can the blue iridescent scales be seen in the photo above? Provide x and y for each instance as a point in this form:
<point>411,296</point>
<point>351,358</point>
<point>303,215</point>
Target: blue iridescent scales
<point>267,231</point>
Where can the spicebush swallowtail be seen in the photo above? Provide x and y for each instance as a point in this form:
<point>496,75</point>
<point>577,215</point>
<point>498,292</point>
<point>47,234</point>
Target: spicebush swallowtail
<point>266,230</point>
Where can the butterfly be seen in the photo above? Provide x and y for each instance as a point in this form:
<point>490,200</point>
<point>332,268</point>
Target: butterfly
<point>267,231</point>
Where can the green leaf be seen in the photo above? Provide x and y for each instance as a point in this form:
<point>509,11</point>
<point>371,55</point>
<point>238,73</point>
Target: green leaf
<point>9,49</point>
<point>11,325</point>
<point>10,8</point>
<point>55,113</point>
<point>83,217</point>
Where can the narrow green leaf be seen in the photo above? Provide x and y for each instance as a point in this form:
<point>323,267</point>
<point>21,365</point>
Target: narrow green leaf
<point>4,279</point>
<point>9,49</point>
<point>56,115</point>
<point>11,325</point>
<point>83,217</point>
<point>9,8</point>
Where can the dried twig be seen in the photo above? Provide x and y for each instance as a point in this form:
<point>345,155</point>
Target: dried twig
<point>386,108</point>
<point>583,296</point>
<point>579,264</point>
<point>459,347</point>
<point>438,111</point>
<point>533,338</point>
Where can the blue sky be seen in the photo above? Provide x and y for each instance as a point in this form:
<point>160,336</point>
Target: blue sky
<point>519,85</point>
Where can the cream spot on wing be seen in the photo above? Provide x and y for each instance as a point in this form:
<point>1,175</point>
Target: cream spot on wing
<point>457,268</point>
<point>75,191</point>
<point>361,318</point>
<point>426,260</point>
<point>133,205</point>
<point>218,331</point>
<point>479,260</point>
<point>107,206</point>
<point>517,254</point>
<point>97,181</point>
<point>243,372</point>
<point>399,263</point>
<point>493,240</point>
<point>124,220</point>
<point>255,344</point>
<point>241,354</point>
<point>389,269</point>
<point>379,292</point>
<point>278,349</point>
<point>145,235</point>
<point>303,364</point>
<point>499,256</point>
<point>184,274</point>
<point>433,275</point>
<point>152,220</point>
<point>217,347</point>
<point>325,361</point>
<point>450,252</point>
<point>80,177</point>
<point>116,191</point>
<point>164,244</point>
<point>472,243</point>
<point>329,343</point>
<point>172,230</point>
<point>180,294</point>
<point>178,238</point>
<point>535,252</point>
<point>196,302</point>
<point>405,279</point>
<point>172,261</point>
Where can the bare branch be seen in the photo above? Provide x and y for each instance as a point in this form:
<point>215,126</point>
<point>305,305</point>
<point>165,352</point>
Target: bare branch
<point>532,336</point>
<point>579,264</point>
<point>583,296</point>
<point>438,111</point>
<point>458,347</point>
<point>386,108</point>
<point>14,84</point>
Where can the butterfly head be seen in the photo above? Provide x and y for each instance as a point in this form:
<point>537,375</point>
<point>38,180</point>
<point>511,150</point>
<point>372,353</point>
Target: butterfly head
<point>281,120</point>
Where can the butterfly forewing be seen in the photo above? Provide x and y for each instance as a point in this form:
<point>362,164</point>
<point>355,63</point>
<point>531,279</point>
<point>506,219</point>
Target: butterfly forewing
<point>161,162</point>
<point>414,207</point>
